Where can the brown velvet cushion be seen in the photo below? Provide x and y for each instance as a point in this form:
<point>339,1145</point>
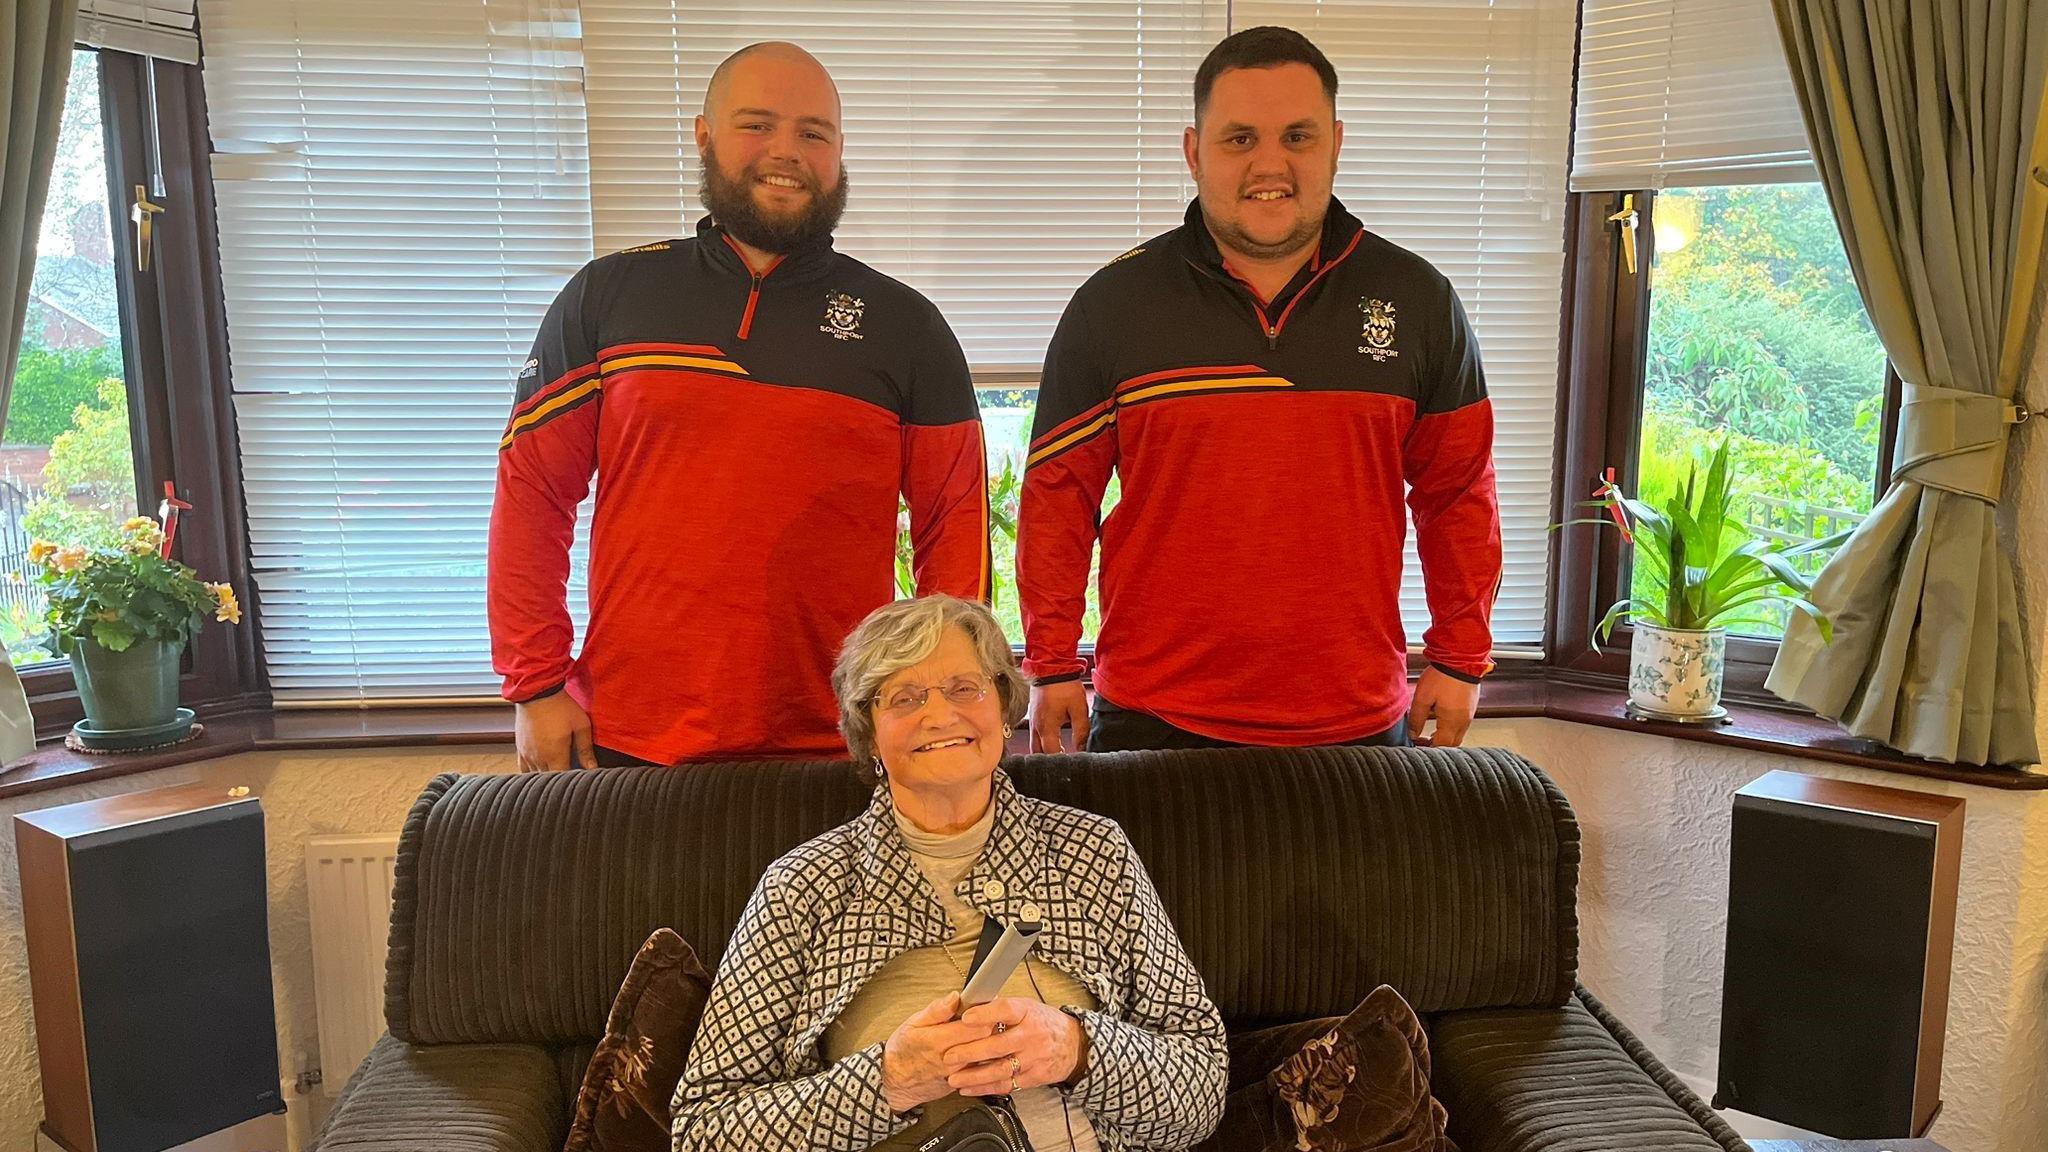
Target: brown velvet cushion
<point>623,1105</point>
<point>1359,1084</point>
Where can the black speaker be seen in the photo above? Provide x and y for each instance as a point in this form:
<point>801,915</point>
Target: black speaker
<point>149,962</point>
<point>1841,923</point>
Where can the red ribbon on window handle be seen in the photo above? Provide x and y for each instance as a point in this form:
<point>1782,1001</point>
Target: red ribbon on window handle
<point>168,513</point>
<point>1608,491</point>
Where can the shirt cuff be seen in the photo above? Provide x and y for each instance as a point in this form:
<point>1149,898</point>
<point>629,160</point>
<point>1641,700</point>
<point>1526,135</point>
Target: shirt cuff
<point>868,1102</point>
<point>1465,677</point>
<point>530,697</point>
<point>1053,669</point>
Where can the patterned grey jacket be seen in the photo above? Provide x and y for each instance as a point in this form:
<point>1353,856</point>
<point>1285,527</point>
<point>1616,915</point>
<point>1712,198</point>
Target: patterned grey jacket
<point>830,913</point>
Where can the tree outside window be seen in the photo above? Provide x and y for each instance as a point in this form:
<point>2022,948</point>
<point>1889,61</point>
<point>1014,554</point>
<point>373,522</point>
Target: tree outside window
<point>1757,333</point>
<point>67,459</point>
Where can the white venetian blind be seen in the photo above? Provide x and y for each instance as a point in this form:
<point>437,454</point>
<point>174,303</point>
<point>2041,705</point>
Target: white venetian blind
<point>1455,132</point>
<point>160,28</point>
<point>1685,93</point>
<point>402,189</point>
<point>999,151</point>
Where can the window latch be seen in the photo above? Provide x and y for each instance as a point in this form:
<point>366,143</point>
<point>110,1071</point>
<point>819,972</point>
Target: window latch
<point>1628,218</point>
<point>140,214</point>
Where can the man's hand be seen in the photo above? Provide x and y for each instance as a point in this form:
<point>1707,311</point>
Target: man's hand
<point>1038,1045</point>
<point>1056,705</point>
<point>1451,700</point>
<point>914,1065</point>
<point>553,734</point>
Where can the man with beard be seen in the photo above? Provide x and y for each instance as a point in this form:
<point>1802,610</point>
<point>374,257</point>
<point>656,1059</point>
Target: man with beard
<point>752,403</point>
<point>1266,379</point>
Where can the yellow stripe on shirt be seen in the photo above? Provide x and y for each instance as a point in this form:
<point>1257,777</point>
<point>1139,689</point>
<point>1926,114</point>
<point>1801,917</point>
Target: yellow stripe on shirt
<point>656,360</point>
<point>1206,384</point>
<point>568,397</point>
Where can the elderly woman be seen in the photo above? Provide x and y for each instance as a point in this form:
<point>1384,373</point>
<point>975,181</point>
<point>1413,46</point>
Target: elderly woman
<point>835,1022</point>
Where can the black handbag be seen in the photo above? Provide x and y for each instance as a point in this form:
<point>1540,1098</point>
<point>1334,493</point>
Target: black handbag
<point>987,1126</point>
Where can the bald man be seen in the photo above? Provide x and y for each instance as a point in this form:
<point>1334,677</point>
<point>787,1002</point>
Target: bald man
<point>752,404</point>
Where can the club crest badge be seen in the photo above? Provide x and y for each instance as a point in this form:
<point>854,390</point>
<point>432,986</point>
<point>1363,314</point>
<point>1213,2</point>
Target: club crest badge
<point>842,316</point>
<point>1379,329</point>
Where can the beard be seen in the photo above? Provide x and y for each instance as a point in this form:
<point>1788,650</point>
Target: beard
<point>731,203</point>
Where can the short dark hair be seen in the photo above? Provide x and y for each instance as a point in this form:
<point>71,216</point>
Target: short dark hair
<point>1267,46</point>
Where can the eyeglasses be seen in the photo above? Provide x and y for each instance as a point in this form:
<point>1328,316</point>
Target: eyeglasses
<point>906,699</point>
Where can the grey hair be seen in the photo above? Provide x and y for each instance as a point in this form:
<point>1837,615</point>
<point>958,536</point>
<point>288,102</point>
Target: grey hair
<point>902,635</point>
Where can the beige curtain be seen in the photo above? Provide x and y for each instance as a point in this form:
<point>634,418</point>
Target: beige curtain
<point>37,49</point>
<point>1925,119</point>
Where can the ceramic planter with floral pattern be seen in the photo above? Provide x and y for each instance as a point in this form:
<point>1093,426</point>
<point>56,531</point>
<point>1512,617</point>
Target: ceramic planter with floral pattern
<point>1676,672</point>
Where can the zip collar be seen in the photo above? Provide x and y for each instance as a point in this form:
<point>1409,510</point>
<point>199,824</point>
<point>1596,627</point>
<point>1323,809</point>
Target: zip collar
<point>718,248</point>
<point>1341,234</point>
<point>725,254</point>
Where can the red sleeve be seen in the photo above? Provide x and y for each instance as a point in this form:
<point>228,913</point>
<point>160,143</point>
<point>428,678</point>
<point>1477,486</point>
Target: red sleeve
<point>1448,461</point>
<point>545,461</point>
<point>1073,453</point>
<point>945,482</point>
<point>945,471</point>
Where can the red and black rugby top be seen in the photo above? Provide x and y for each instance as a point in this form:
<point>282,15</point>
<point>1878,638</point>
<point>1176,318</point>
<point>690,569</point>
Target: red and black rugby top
<point>1251,570</point>
<point>750,431</point>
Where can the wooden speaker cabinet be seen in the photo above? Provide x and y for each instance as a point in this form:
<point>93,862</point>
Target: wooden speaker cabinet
<point>149,963</point>
<point>1841,923</point>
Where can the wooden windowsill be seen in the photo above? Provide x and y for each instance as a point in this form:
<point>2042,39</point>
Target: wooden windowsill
<point>1754,727</point>
<point>1759,728</point>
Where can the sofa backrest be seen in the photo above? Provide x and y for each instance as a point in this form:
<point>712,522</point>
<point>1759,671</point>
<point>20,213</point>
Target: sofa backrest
<point>1299,879</point>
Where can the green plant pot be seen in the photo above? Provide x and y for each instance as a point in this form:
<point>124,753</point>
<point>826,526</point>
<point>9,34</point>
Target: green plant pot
<point>137,688</point>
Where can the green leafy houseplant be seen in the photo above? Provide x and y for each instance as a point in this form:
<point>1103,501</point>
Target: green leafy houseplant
<point>116,596</point>
<point>1706,568</point>
<point>122,612</point>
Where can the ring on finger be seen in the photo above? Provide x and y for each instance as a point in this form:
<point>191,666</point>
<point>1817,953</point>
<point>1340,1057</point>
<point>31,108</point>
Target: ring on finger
<point>1001,1027</point>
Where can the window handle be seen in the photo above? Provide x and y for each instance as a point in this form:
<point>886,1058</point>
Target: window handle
<point>140,214</point>
<point>1627,218</point>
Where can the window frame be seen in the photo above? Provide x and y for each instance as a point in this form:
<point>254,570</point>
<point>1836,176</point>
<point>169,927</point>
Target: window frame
<point>174,352</point>
<point>1602,369</point>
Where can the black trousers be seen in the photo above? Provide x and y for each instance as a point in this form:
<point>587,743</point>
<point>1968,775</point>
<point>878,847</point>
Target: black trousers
<point>1114,729</point>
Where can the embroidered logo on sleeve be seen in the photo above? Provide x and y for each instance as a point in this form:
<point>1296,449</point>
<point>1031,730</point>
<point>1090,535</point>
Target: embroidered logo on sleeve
<point>1379,329</point>
<point>530,370</point>
<point>842,316</point>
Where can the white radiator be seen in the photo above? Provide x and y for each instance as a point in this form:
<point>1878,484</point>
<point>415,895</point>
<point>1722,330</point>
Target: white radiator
<point>348,894</point>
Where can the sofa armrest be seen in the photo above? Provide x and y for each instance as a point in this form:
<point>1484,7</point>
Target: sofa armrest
<point>449,1098</point>
<point>1568,1079</point>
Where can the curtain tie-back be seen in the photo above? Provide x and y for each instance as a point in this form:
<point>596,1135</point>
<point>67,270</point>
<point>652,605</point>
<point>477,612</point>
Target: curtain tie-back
<point>1954,439</point>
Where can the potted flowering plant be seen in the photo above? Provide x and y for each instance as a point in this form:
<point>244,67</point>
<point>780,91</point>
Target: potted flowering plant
<point>1705,569</point>
<point>123,614</point>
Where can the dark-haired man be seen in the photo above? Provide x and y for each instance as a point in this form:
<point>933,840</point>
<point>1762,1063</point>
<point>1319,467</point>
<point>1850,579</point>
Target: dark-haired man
<point>752,404</point>
<point>1268,380</point>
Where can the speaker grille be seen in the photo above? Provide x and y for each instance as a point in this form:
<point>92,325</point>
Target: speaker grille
<point>1828,915</point>
<point>174,977</point>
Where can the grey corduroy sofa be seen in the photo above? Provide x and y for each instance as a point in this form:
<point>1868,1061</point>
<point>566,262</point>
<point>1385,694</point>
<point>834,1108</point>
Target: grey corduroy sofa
<point>1299,879</point>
